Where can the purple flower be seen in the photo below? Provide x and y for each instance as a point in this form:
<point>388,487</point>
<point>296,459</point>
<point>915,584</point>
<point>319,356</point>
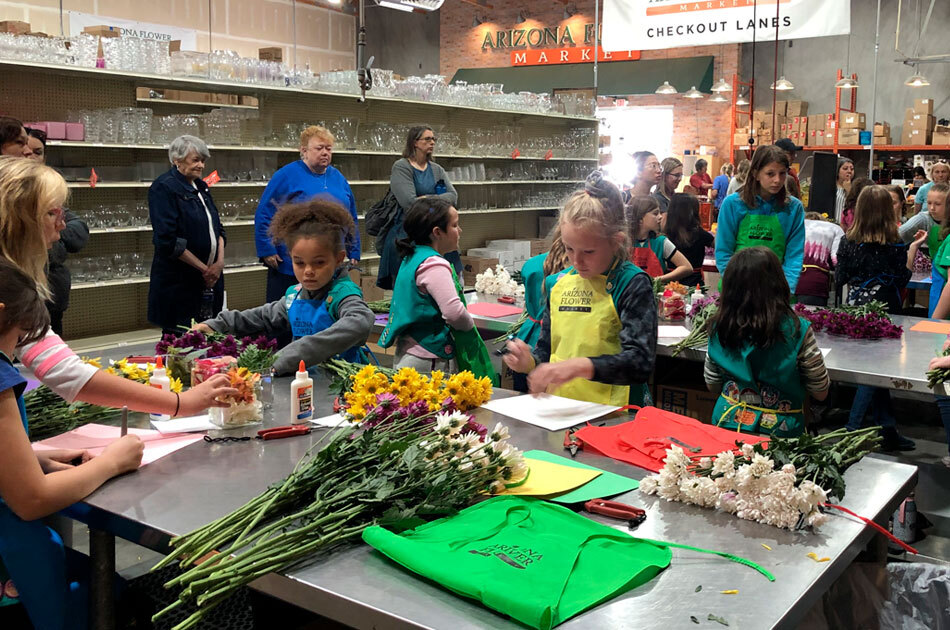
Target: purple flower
<point>387,400</point>
<point>448,405</point>
<point>418,408</point>
<point>475,427</point>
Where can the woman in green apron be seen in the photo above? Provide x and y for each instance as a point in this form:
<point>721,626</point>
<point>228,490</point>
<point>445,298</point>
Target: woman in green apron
<point>598,334</point>
<point>763,214</point>
<point>651,251</point>
<point>762,358</point>
<point>428,319</point>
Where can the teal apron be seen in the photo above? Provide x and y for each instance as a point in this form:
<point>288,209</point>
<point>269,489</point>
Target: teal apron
<point>309,317</point>
<point>537,562</point>
<point>762,392</point>
<point>33,557</point>
<point>534,299</point>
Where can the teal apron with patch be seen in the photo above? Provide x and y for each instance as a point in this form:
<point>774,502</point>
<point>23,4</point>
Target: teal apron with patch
<point>763,391</point>
<point>309,317</point>
<point>533,275</point>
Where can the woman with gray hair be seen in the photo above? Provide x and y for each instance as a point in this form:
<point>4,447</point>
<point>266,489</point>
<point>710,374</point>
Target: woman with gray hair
<point>186,280</point>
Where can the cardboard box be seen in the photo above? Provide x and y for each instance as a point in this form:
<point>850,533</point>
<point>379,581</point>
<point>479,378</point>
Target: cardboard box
<point>539,246</point>
<point>915,137</point>
<point>472,265</point>
<point>174,46</point>
<point>271,53</point>
<point>941,138</point>
<point>803,124</point>
<point>743,121</point>
<point>546,225</point>
<point>520,249</point>
<point>796,108</point>
<point>220,99</point>
<point>504,257</point>
<point>250,101</point>
<point>75,132</point>
<point>924,106</point>
<point>849,136</point>
<point>882,140</point>
<point>781,107</point>
<point>920,121</point>
<point>761,119</point>
<point>740,139</point>
<point>102,31</point>
<point>686,401</point>
<point>853,120</point>
<point>194,97</point>
<point>14,26</point>
<point>882,129</point>
<point>371,292</point>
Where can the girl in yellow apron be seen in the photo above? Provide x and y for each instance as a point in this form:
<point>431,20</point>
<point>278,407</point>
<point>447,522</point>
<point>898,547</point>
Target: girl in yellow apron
<point>650,250</point>
<point>762,359</point>
<point>763,214</point>
<point>598,333</point>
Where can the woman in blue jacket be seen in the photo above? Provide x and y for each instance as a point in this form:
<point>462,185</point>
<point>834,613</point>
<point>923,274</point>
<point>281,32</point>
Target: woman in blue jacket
<point>187,280</point>
<point>298,182</point>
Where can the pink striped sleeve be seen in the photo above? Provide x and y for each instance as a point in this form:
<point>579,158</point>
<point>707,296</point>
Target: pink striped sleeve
<point>39,348</point>
<point>57,366</point>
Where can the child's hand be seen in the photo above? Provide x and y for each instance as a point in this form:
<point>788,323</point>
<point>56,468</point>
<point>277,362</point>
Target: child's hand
<point>920,237</point>
<point>205,328</point>
<point>549,375</point>
<point>939,362</point>
<point>205,395</point>
<point>125,454</point>
<point>61,459</point>
<point>519,356</point>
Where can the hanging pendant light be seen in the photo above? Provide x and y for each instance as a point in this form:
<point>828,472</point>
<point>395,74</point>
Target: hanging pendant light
<point>722,86</point>
<point>917,79</point>
<point>846,83</point>
<point>719,98</point>
<point>742,100</point>
<point>782,84</point>
<point>666,88</point>
<point>693,93</point>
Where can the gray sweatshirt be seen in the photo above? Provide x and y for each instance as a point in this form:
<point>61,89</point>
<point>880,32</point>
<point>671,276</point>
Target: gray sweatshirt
<point>404,186</point>
<point>351,329</point>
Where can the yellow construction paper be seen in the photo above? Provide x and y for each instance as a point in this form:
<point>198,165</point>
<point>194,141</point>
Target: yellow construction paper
<point>548,478</point>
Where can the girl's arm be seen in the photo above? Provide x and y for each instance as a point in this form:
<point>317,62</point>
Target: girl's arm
<point>350,330</point>
<point>942,310</point>
<point>713,375</point>
<point>683,268</point>
<point>919,238</point>
<point>270,319</point>
<point>726,232</point>
<point>29,492</point>
<point>435,278</point>
<point>811,367</point>
<point>795,246</point>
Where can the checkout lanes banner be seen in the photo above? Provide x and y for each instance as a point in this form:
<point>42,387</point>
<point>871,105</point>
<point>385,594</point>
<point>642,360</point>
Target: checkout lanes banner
<point>653,24</point>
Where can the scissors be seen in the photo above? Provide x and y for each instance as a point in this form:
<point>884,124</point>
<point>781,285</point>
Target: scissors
<point>571,443</point>
<point>275,433</point>
<point>614,509</point>
<point>502,351</point>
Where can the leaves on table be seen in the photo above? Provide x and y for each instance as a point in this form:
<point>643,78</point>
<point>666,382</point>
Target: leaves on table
<point>720,620</point>
<point>698,588</point>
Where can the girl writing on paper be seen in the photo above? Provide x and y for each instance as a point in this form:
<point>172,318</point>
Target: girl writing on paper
<point>429,321</point>
<point>325,312</point>
<point>598,333</point>
<point>34,485</point>
<point>762,358</point>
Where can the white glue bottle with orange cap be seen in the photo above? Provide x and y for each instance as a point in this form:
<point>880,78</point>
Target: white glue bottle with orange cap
<point>301,397</point>
<point>159,380</point>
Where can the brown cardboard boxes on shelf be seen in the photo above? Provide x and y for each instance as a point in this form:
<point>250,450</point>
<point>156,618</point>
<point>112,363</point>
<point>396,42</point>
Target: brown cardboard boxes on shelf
<point>271,53</point>
<point>472,266</point>
<point>849,136</point>
<point>853,120</point>
<point>102,31</point>
<point>539,246</point>
<point>686,401</point>
<point>15,27</point>
<point>761,119</point>
<point>743,121</point>
<point>882,129</point>
<point>920,121</point>
<point>915,137</point>
<point>371,292</point>
<point>796,108</point>
<point>781,108</point>
<point>924,106</point>
<point>941,135</point>
<point>250,101</point>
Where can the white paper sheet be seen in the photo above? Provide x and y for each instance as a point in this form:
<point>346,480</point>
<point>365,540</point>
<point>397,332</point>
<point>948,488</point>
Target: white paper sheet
<point>553,413</point>
<point>672,332</point>
<point>336,420</point>
<point>824,352</point>
<point>190,424</point>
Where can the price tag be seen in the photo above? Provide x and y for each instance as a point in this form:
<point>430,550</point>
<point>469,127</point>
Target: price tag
<point>515,154</point>
<point>213,178</point>
<point>549,154</point>
<point>93,178</point>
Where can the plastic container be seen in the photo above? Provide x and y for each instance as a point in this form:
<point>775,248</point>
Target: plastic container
<point>159,380</point>
<point>301,397</point>
<point>672,306</point>
<point>247,408</point>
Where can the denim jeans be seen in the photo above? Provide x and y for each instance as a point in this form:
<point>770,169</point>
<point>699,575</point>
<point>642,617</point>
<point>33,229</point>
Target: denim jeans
<point>879,400</point>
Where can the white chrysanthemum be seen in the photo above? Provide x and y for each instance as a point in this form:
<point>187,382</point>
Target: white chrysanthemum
<point>649,485</point>
<point>816,519</point>
<point>725,463</point>
<point>518,467</point>
<point>726,482</point>
<point>499,433</point>
<point>450,422</point>
<point>727,502</point>
<point>705,462</point>
<point>789,469</point>
<point>676,460</point>
<point>747,450</point>
<point>496,487</point>
<point>761,465</point>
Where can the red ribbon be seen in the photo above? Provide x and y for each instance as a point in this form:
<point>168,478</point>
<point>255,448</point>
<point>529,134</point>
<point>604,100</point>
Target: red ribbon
<point>868,521</point>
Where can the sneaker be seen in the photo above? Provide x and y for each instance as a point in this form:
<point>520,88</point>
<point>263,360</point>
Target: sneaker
<point>894,441</point>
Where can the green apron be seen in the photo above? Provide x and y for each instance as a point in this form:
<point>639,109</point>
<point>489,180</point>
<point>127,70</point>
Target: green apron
<point>537,562</point>
<point>534,301</point>
<point>933,240</point>
<point>763,391</point>
<point>761,230</point>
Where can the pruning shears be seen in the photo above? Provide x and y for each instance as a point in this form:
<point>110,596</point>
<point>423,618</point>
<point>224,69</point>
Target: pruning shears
<point>275,433</point>
<point>614,509</point>
<point>571,442</point>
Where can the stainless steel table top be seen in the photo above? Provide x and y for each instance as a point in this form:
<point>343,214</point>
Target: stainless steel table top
<point>891,363</point>
<point>920,280</point>
<point>359,587</point>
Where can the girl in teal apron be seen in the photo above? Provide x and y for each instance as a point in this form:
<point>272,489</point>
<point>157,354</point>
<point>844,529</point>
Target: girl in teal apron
<point>325,314</point>
<point>653,252</point>
<point>763,214</point>
<point>33,569</point>
<point>598,335</point>
<point>762,358</point>
<point>417,320</point>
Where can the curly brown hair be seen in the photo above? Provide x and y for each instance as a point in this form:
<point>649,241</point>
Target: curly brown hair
<point>317,218</point>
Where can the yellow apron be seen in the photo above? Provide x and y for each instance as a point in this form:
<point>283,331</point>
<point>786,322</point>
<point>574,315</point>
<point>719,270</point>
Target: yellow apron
<point>585,323</point>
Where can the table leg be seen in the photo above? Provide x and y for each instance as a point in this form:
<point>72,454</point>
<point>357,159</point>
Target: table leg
<point>102,568</point>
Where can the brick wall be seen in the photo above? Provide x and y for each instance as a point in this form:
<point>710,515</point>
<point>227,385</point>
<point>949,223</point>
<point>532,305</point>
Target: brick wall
<point>695,122</point>
<point>326,39</point>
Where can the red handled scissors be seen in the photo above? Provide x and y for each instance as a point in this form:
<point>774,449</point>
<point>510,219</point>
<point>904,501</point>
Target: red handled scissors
<point>614,509</point>
<point>275,433</point>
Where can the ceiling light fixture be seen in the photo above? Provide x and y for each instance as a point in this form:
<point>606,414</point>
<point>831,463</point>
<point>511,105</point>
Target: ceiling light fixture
<point>782,84</point>
<point>693,93</point>
<point>846,83</point>
<point>666,88</point>
<point>394,5</point>
<point>917,79</point>
<point>719,98</point>
<point>408,5</point>
<point>722,86</point>
<point>742,100</point>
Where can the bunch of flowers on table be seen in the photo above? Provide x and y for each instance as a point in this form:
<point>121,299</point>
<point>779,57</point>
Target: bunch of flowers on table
<point>867,321</point>
<point>498,282</point>
<point>245,406</point>
<point>182,350</point>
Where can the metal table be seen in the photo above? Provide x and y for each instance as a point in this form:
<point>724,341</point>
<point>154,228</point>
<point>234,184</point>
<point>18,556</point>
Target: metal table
<point>920,281</point>
<point>899,364</point>
<point>359,587</point>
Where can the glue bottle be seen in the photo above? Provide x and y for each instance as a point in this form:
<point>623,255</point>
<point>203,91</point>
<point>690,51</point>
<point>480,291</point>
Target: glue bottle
<point>301,397</point>
<point>159,380</point>
<point>696,296</point>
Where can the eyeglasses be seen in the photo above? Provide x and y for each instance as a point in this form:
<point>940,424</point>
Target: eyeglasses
<point>675,175</point>
<point>428,139</point>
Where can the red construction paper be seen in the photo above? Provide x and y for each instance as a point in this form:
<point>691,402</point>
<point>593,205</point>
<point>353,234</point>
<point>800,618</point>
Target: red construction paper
<point>491,309</point>
<point>643,441</point>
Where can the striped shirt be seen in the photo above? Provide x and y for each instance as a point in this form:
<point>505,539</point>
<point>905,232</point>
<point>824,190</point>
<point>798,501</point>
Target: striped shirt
<point>56,366</point>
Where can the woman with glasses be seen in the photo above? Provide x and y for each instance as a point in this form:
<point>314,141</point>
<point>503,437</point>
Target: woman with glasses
<point>646,175</point>
<point>672,170</point>
<point>71,241</point>
<point>302,180</point>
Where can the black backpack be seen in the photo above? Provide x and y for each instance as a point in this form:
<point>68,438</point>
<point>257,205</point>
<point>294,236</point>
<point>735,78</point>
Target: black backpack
<point>379,218</point>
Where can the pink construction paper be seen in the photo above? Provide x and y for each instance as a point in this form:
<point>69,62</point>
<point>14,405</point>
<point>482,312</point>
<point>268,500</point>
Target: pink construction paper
<point>96,437</point>
<point>490,309</point>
